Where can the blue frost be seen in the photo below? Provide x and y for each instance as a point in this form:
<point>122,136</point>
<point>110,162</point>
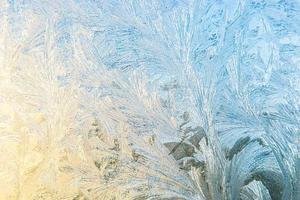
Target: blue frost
<point>204,93</point>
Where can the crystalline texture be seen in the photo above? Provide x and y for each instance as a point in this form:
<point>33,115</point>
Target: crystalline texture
<point>150,99</point>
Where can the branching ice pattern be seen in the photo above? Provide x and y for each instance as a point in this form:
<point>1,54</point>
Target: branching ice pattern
<point>150,99</point>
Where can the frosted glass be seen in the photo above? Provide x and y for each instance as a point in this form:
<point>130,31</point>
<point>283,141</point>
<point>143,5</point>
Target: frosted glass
<point>149,99</point>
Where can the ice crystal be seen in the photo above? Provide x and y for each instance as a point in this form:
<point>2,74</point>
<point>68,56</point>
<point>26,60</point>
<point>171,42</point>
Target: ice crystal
<point>150,99</point>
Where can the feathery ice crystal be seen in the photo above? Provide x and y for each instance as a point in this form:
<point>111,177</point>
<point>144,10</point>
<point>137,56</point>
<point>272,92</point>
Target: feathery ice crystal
<point>150,99</point>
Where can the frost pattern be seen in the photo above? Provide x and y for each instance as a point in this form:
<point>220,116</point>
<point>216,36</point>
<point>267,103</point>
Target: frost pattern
<point>150,99</point>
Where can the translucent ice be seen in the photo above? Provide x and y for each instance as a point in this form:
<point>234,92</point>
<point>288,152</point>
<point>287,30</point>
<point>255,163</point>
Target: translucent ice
<point>150,99</point>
